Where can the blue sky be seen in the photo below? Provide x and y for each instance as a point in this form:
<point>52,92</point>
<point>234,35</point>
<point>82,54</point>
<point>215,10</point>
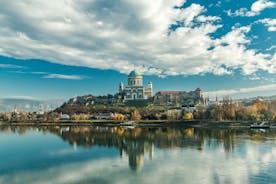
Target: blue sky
<point>59,49</point>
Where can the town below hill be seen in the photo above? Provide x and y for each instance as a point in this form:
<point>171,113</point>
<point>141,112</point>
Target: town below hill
<point>165,107</point>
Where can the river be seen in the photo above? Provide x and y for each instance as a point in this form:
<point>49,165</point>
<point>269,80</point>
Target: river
<point>89,154</point>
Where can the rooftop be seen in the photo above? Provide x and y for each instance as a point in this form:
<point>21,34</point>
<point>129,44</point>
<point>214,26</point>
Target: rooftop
<point>133,73</point>
<point>170,92</point>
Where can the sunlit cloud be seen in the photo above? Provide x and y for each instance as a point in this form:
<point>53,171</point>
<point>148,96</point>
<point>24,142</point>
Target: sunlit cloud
<point>212,94</point>
<point>255,9</point>
<point>62,76</point>
<point>269,23</point>
<point>21,97</point>
<point>81,33</point>
<point>39,73</point>
<point>271,48</point>
<point>10,66</point>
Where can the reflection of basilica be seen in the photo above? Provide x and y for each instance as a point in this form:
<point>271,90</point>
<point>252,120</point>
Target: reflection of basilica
<point>136,151</point>
<point>134,143</point>
<point>198,155</point>
<point>137,143</point>
<point>134,148</point>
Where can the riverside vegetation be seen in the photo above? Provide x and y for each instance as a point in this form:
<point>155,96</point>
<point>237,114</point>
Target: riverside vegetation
<point>225,110</point>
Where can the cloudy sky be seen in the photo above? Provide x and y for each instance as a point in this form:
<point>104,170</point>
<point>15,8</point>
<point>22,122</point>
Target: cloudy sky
<point>58,49</point>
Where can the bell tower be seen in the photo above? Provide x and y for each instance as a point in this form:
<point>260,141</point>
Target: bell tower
<point>149,89</point>
<point>121,87</point>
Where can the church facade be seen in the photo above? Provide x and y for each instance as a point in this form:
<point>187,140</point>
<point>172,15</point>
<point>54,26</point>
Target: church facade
<point>135,89</point>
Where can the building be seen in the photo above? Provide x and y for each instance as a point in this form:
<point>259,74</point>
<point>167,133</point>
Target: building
<point>175,112</point>
<point>64,117</point>
<point>179,97</point>
<point>135,89</point>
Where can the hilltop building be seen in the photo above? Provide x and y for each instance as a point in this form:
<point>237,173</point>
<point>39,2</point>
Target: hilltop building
<point>179,97</point>
<point>135,89</point>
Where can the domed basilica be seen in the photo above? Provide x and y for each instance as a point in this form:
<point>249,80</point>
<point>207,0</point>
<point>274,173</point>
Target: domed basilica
<point>135,89</point>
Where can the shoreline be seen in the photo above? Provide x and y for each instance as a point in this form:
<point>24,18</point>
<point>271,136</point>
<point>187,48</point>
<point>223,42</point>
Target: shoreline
<point>142,123</point>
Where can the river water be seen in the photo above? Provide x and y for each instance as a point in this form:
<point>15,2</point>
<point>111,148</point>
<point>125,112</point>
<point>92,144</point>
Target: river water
<point>87,154</point>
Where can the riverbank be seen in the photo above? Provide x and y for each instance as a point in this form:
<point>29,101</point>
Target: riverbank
<point>142,123</point>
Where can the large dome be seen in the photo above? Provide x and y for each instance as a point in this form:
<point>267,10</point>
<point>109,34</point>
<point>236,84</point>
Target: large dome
<point>133,73</point>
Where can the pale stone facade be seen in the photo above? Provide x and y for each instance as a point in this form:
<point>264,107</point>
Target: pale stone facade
<point>135,89</point>
<point>179,97</point>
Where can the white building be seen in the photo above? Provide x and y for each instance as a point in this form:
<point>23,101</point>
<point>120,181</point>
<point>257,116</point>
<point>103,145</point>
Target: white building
<point>64,117</point>
<point>135,89</point>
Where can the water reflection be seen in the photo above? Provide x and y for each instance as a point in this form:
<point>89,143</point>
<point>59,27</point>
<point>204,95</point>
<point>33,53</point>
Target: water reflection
<point>138,142</point>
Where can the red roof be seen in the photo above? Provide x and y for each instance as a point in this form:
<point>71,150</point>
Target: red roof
<point>169,92</point>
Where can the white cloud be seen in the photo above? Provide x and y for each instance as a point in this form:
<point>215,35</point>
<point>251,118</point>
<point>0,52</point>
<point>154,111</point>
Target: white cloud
<point>10,66</point>
<point>188,15</point>
<point>269,23</point>
<point>21,97</point>
<point>271,48</point>
<point>39,73</point>
<point>98,34</point>
<point>260,5</point>
<point>53,75</point>
<point>202,18</point>
<point>269,87</point>
<point>221,71</point>
<point>62,76</point>
<point>255,9</point>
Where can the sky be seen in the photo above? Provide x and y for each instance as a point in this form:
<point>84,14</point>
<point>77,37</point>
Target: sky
<point>60,49</point>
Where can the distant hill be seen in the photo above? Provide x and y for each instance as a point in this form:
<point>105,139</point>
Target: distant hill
<point>9,104</point>
<point>249,101</point>
<point>270,97</point>
<point>265,98</point>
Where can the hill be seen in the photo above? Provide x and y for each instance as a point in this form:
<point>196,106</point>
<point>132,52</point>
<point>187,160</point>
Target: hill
<point>29,105</point>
